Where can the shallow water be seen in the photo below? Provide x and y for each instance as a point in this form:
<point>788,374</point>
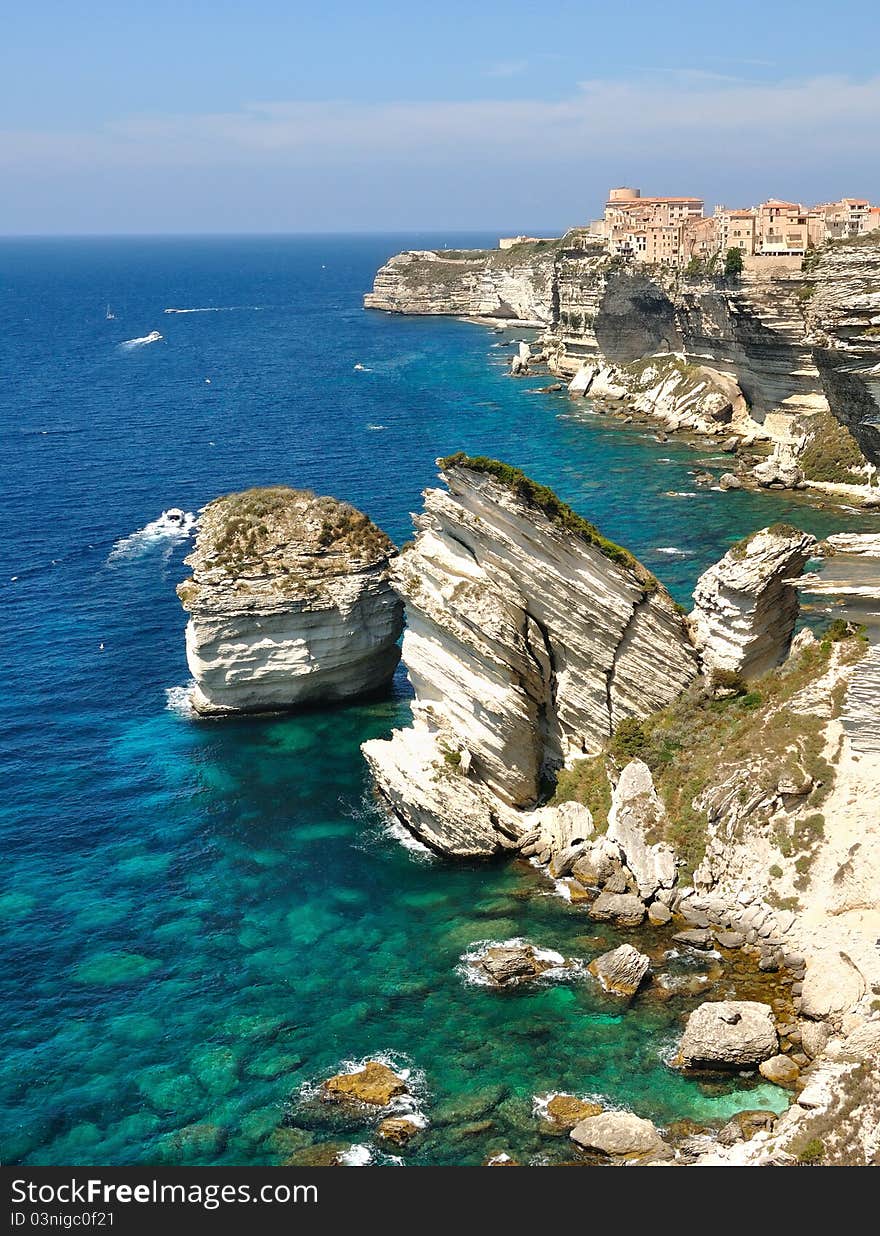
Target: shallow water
<point>200,919</point>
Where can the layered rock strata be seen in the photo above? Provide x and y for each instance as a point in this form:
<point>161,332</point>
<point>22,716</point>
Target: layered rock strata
<point>746,606</point>
<point>530,637</point>
<point>290,603</point>
<point>758,357</point>
<point>843,323</point>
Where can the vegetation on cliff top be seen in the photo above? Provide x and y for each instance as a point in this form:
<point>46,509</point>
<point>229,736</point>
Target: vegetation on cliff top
<point>270,526</point>
<point>832,453</point>
<point>700,742</point>
<point>543,499</point>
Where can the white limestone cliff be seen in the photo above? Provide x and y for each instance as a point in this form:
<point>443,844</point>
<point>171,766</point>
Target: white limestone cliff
<point>290,603</point>
<point>529,638</point>
<point>746,606</point>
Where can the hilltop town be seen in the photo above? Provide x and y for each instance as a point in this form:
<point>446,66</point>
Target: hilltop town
<point>675,231</point>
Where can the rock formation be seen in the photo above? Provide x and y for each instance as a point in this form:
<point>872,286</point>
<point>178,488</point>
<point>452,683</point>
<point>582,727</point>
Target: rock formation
<point>513,284</point>
<point>290,603</point>
<point>622,971</point>
<point>620,1134</point>
<point>375,1084</point>
<point>746,608</point>
<point>529,638</point>
<point>762,356</point>
<point>843,321</point>
<point>512,962</point>
<point>636,811</point>
<point>729,1034</point>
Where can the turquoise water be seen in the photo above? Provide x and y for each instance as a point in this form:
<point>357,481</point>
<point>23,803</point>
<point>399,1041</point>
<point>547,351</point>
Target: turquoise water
<point>200,920</point>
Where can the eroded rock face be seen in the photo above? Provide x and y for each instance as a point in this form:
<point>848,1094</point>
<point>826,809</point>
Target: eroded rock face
<point>619,1134</point>
<point>636,812</point>
<point>290,603</point>
<point>842,317</point>
<point>515,284</point>
<point>529,638</point>
<point>622,971</point>
<point>745,610</point>
<point>729,1034</point>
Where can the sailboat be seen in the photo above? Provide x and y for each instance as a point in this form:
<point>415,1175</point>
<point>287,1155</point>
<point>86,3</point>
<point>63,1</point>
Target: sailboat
<point>110,316</point>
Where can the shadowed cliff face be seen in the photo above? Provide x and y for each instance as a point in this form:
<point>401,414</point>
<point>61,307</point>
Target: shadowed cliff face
<point>795,342</point>
<point>635,319</point>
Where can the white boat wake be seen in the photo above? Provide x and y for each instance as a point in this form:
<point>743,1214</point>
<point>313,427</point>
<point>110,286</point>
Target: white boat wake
<point>142,341</point>
<point>215,309</point>
<point>172,527</point>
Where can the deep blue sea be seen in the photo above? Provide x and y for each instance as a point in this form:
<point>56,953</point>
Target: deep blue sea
<point>201,920</point>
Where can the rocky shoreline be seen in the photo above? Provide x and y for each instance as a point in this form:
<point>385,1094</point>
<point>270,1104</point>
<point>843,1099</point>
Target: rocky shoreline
<point>703,781</point>
<point>781,369</point>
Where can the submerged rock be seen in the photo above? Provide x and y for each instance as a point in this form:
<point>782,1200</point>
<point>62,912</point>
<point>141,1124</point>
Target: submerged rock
<point>290,603</point>
<point>398,1130</point>
<point>529,637</point>
<point>375,1084</point>
<point>729,1034</point>
<point>623,970</point>
<point>620,1134</point>
<point>746,607</point>
<point>566,1110</point>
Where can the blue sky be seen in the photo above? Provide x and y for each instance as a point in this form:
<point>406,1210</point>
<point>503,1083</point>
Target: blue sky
<point>270,116</point>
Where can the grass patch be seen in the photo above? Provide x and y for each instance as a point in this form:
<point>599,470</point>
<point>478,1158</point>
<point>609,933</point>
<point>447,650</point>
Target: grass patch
<point>586,782</point>
<point>832,453</point>
<point>543,499</point>
<point>276,528</point>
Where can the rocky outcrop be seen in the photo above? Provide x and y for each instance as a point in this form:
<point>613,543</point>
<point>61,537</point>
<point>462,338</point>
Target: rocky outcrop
<point>622,909</point>
<point>515,284</point>
<point>290,603</point>
<point>621,971</point>
<point>529,638</point>
<point>374,1084</point>
<point>637,812</point>
<point>619,1134</point>
<point>843,321</point>
<point>728,1034</point>
<point>746,607</point>
<point>832,986</point>
<point>510,963</point>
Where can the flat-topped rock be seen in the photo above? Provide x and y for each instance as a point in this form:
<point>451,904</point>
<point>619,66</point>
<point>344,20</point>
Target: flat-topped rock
<point>619,1134</point>
<point>729,1034</point>
<point>290,603</point>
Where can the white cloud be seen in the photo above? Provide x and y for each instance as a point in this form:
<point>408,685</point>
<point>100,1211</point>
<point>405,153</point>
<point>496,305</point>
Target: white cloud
<point>705,116</point>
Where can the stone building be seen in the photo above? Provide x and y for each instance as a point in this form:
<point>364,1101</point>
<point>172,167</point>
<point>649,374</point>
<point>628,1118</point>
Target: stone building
<point>671,231</point>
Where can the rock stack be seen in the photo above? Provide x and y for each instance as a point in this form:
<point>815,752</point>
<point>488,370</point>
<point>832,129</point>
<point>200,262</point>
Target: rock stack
<point>290,603</point>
